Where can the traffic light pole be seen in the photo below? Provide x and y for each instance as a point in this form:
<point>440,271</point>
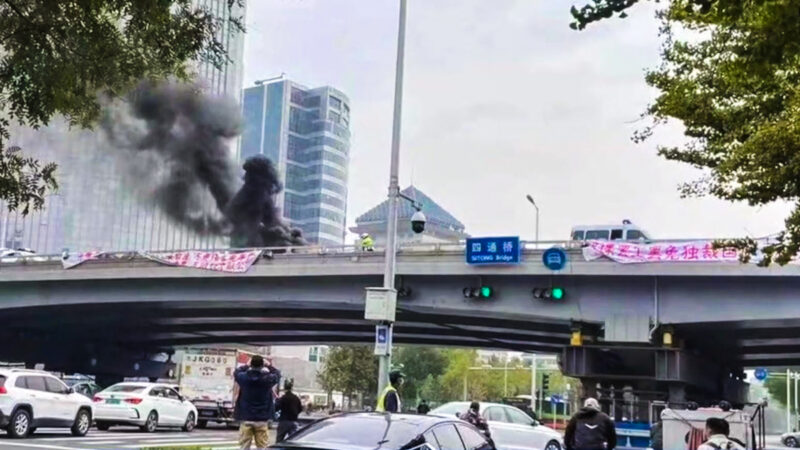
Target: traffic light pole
<point>385,361</point>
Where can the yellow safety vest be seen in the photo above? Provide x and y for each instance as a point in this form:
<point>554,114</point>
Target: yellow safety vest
<point>367,242</point>
<point>382,399</point>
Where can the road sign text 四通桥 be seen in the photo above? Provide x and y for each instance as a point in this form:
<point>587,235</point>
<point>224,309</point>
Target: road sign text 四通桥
<point>493,250</point>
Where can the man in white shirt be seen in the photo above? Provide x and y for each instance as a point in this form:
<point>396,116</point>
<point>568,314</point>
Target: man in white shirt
<point>717,431</point>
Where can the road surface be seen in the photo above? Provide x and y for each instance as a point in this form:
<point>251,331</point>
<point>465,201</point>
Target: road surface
<point>122,438</point>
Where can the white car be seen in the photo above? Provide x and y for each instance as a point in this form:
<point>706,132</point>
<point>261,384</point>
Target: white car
<point>146,405</point>
<point>31,398</point>
<point>510,427</point>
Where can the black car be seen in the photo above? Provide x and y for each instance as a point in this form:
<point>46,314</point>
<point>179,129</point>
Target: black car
<point>369,430</point>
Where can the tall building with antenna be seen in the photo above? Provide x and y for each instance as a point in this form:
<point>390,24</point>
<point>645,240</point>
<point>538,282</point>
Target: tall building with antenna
<point>306,134</point>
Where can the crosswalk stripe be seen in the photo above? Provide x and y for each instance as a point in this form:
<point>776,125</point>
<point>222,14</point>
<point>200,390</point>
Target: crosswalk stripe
<point>162,441</point>
<point>184,444</point>
<point>50,447</point>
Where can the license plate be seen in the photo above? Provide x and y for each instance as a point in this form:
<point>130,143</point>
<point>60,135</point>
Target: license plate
<point>206,413</point>
<point>112,401</point>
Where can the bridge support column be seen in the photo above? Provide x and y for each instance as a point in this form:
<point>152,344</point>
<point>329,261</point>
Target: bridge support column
<point>669,374</point>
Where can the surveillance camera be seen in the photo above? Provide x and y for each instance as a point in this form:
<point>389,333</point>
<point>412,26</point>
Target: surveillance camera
<point>418,222</point>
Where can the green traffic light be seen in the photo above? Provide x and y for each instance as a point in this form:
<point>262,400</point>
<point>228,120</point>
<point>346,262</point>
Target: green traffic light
<point>558,293</point>
<point>486,291</point>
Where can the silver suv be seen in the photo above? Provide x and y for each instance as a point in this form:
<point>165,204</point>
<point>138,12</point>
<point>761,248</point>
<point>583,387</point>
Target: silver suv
<point>31,398</point>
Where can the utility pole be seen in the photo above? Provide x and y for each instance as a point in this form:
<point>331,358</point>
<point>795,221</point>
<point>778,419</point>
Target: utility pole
<point>788,403</point>
<point>385,361</point>
<point>530,199</point>
<point>533,382</point>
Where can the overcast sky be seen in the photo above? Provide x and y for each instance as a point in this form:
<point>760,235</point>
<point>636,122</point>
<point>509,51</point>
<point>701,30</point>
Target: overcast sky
<point>501,99</point>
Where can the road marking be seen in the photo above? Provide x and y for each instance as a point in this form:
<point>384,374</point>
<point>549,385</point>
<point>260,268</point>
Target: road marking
<point>179,444</point>
<point>104,442</point>
<point>51,447</point>
<point>162,441</point>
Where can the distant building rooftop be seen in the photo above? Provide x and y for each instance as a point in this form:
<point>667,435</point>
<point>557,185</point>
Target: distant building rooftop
<point>441,225</point>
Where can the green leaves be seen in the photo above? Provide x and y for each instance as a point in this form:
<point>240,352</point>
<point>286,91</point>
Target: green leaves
<point>734,85</point>
<point>60,57</point>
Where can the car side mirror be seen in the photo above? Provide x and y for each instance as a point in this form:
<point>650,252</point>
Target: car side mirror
<point>69,391</point>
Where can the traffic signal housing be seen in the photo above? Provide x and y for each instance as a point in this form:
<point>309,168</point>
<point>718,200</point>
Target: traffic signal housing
<point>552,293</point>
<point>483,292</point>
<point>545,382</point>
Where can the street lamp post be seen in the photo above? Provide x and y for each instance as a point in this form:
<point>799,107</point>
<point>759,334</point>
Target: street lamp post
<point>385,361</point>
<point>530,199</point>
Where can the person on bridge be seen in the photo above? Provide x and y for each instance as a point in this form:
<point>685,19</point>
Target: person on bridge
<point>367,244</point>
<point>389,401</point>
<point>255,401</point>
<point>289,407</point>
<point>717,431</point>
<point>590,428</point>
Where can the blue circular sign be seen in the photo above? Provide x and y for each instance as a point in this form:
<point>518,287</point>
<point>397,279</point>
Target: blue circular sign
<point>554,258</point>
<point>761,374</point>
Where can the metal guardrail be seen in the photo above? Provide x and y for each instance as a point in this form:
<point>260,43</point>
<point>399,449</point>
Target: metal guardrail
<point>441,248</point>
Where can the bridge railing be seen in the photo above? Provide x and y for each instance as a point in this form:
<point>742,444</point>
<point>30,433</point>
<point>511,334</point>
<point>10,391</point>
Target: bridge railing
<point>417,248</point>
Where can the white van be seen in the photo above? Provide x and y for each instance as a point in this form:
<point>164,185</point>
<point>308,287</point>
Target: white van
<point>627,231</point>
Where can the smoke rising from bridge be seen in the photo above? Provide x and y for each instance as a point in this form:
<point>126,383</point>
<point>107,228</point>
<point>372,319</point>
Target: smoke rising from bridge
<point>177,138</point>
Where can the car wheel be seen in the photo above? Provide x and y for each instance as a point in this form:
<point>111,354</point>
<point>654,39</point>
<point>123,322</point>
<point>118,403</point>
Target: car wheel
<point>791,441</point>
<point>20,425</point>
<point>82,423</point>
<point>102,426</point>
<point>552,445</point>
<point>202,423</point>
<point>152,423</point>
<point>188,426</point>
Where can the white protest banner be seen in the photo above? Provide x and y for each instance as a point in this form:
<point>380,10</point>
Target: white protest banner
<point>221,261</point>
<point>69,261</point>
<point>630,252</point>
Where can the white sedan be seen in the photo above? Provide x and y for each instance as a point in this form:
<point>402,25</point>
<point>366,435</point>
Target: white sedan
<point>146,405</point>
<point>510,427</point>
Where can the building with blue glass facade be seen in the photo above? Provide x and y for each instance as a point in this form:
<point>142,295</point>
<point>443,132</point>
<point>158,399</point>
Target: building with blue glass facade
<point>306,134</point>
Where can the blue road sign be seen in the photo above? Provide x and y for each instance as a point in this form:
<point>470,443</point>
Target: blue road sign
<point>383,339</point>
<point>493,250</point>
<point>761,374</point>
<point>554,258</point>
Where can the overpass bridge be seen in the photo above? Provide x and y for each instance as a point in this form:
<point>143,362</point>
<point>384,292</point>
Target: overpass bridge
<point>109,312</point>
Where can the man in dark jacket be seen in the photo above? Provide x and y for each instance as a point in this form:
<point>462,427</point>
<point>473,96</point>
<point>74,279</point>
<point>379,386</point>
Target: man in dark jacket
<point>473,416</point>
<point>255,404</point>
<point>289,407</point>
<point>589,428</point>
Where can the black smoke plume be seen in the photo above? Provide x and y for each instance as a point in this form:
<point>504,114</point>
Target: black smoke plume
<point>178,140</point>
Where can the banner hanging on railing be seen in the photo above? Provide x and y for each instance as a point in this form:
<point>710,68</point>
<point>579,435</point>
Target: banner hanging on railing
<point>631,253</point>
<point>220,261</point>
<point>69,261</point>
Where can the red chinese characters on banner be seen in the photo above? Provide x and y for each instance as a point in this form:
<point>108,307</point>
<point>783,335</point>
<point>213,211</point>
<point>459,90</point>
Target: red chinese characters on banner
<point>627,252</point>
<point>237,262</point>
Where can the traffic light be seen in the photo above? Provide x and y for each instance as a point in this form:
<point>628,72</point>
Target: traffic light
<point>545,382</point>
<point>478,292</point>
<point>555,293</point>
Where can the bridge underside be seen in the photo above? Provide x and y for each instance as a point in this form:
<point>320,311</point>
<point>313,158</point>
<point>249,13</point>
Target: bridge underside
<point>96,338</point>
<point>108,337</point>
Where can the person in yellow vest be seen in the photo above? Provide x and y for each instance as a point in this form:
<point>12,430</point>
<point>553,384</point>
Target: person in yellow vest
<point>367,244</point>
<point>389,401</point>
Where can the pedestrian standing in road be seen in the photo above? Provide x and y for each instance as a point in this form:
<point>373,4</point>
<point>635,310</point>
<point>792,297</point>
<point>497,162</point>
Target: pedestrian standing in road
<point>389,401</point>
<point>289,407</point>
<point>717,431</point>
<point>255,401</point>
<point>423,407</point>
<point>473,416</point>
<point>590,429</point>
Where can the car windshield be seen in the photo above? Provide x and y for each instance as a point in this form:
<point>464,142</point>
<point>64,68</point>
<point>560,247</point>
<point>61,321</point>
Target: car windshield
<point>374,431</point>
<point>452,408</point>
<point>129,388</point>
